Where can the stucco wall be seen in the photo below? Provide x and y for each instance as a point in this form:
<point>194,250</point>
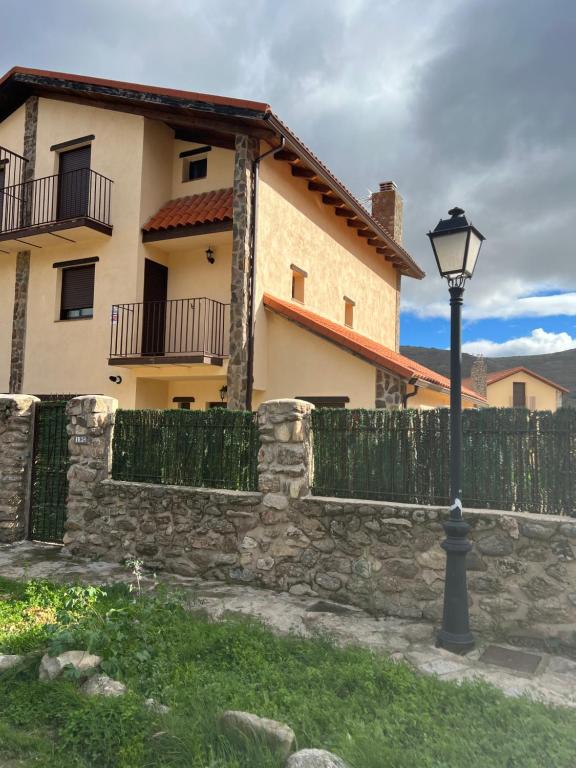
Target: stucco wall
<point>500,393</point>
<point>71,356</point>
<point>294,227</point>
<point>301,363</point>
<point>220,170</point>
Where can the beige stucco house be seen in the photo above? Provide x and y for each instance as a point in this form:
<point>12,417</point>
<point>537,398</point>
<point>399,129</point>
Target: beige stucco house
<point>517,387</point>
<point>176,249</point>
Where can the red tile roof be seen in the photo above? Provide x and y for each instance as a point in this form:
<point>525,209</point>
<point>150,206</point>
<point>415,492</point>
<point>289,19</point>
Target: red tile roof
<point>362,346</point>
<point>206,208</point>
<point>492,378</point>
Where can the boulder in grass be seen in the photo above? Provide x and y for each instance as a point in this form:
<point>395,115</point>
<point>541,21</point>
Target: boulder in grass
<point>8,661</point>
<point>315,758</point>
<point>278,737</point>
<point>156,707</point>
<point>102,685</point>
<point>83,662</point>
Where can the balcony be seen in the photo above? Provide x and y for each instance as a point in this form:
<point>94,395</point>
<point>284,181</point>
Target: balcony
<point>55,210</point>
<point>176,331</point>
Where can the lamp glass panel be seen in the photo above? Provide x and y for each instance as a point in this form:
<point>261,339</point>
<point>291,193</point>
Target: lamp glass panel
<point>450,250</point>
<point>473,251</point>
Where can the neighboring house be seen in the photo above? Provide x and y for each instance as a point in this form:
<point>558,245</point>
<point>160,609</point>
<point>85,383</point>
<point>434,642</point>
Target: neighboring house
<point>175,249</point>
<point>516,387</point>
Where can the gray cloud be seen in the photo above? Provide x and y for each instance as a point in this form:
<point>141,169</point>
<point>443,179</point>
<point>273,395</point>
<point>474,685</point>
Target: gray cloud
<point>459,101</point>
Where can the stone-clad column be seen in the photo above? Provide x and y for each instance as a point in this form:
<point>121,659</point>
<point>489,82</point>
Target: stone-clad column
<point>285,459</point>
<point>90,427</point>
<point>390,390</point>
<point>247,149</point>
<point>16,449</point>
<point>19,316</point>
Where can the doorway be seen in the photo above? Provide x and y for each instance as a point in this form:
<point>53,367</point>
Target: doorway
<point>154,308</point>
<point>74,183</point>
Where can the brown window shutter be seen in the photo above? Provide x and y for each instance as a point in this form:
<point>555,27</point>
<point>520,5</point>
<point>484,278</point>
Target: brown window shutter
<point>78,287</point>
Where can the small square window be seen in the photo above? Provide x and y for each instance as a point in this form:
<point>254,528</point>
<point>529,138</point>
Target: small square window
<point>349,312</point>
<point>298,278</point>
<point>195,169</point>
<point>77,293</point>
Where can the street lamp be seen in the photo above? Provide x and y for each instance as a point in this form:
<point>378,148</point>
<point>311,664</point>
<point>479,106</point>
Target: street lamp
<point>456,245</point>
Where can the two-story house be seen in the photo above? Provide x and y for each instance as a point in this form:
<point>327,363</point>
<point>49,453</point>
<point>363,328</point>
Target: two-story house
<point>176,249</point>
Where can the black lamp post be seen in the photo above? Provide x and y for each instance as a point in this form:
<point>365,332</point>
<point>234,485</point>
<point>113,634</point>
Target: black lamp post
<point>456,245</point>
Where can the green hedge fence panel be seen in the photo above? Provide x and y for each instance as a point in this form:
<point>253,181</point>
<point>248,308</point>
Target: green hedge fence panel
<point>513,458</point>
<point>209,449</point>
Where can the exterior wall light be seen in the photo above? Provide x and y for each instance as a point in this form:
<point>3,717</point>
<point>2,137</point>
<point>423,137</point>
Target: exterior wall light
<point>456,245</point>
<point>223,392</point>
<point>115,379</point>
<point>210,255</point>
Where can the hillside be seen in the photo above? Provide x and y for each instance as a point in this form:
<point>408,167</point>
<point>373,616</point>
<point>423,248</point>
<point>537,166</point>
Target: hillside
<point>557,366</point>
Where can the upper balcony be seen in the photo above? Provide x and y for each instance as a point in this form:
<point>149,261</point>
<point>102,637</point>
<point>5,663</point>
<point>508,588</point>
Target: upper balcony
<point>171,332</point>
<point>55,210</point>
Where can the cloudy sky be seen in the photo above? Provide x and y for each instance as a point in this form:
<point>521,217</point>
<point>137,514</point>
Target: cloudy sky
<point>468,102</point>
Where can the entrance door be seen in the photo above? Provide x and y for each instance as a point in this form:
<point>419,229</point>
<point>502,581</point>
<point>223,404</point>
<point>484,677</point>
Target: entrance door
<point>154,310</point>
<point>49,468</point>
<point>74,183</point>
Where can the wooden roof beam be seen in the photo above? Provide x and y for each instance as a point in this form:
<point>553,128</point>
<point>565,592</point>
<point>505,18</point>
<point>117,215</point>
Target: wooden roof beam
<point>332,200</point>
<point>286,155</point>
<point>318,186</point>
<point>302,172</point>
<point>345,212</point>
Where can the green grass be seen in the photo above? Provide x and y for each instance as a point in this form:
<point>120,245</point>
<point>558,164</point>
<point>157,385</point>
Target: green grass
<point>374,713</point>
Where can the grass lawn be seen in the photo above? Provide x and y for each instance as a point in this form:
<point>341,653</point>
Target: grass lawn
<point>372,712</point>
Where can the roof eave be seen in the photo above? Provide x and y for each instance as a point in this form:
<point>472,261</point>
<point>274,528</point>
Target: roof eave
<point>293,142</point>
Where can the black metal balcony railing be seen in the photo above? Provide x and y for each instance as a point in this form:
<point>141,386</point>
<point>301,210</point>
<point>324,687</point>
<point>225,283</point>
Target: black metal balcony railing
<point>176,328</point>
<point>83,193</point>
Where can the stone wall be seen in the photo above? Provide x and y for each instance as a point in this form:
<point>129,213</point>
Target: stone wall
<point>390,390</point>
<point>381,556</point>
<point>16,445</point>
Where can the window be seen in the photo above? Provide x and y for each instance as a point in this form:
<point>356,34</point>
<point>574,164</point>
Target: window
<point>349,312</point>
<point>325,401</point>
<point>195,169</point>
<point>77,295</point>
<point>183,403</point>
<point>532,403</point>
<point>519,394</point>
<point>298,278</point>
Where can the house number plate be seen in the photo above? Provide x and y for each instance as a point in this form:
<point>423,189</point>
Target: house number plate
<point>82,439</point>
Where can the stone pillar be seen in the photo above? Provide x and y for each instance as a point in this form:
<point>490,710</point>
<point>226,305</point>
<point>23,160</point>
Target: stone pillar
<point>390,390</point>
<point>247,149</point>
<point>19,315</point>
<point>285,460</point>
<point>16,451</point>
<point>90,427</point>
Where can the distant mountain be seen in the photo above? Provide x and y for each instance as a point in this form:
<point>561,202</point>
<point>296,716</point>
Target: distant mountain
<point>557,366</point>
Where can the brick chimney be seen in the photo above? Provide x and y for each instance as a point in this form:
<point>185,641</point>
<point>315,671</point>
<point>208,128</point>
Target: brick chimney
<point>478,374</point>
<point>387,208</point>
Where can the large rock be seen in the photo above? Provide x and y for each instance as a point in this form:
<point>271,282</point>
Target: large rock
<point>9,661</point>
<point>277,736</point>
<point>315,758</point>
<point>83,662</point>
<point>102,685</point>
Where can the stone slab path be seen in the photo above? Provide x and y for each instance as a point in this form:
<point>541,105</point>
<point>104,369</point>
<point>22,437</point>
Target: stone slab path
<point>553,682</point>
